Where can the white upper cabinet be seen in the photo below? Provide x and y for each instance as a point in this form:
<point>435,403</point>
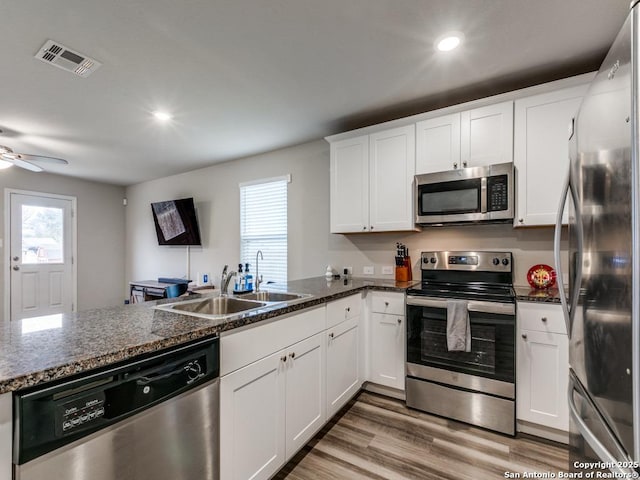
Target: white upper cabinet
<point>487,135</point>
<point>350,185</point>
<point>472,138</point>
<point>541,153</point>
<point>391,171</point>
<point>371,182</point>
<point>438,144</point>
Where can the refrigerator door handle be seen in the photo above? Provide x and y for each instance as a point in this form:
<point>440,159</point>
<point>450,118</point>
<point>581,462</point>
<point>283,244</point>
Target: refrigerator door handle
<point>615,464</point>
<point>556,252</point>
<point>569,305</point>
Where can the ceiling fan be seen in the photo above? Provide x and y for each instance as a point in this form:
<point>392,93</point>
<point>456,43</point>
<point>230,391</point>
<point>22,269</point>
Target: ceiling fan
<point>24,160</point>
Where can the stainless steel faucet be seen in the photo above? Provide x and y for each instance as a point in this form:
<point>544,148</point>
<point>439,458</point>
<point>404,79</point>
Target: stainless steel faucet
<point>225,279</point>
<point>258,277</point>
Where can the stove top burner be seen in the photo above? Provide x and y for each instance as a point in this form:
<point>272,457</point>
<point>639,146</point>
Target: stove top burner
<point>469,275</point>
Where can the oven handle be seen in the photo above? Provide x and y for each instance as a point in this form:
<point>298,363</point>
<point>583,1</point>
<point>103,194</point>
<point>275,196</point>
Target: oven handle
<point>473,305</point>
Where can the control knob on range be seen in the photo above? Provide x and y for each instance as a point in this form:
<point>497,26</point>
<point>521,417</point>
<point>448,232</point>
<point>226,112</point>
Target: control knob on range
<point>505,261</point>
<point>433,259</point>
<point>496,261</point>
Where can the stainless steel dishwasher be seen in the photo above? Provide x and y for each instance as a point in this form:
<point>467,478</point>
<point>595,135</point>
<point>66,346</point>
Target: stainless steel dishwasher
<point>154,418</point>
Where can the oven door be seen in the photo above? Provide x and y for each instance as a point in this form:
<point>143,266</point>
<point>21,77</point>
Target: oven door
<point>490,365</point>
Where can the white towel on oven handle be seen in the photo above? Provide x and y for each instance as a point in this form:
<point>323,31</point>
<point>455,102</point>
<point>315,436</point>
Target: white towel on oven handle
<point>458,326</point>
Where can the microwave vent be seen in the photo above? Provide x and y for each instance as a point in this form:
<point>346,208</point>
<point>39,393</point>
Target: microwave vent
<point>56,54</point>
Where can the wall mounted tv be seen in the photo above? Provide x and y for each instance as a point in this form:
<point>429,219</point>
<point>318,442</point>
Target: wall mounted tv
<point>176,222</point>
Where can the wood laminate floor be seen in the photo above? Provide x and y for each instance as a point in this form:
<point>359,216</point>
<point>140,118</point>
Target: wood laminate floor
<point>376,437</point>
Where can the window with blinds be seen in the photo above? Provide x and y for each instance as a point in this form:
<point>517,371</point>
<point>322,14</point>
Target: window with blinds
<point>263,226</point>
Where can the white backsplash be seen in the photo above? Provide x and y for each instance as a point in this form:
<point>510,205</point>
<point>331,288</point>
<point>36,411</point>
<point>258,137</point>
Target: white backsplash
<point>529,246</point>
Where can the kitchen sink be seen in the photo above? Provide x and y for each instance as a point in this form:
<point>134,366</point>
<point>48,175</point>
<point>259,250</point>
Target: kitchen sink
<point>216,306</point>
<point>268,296</point>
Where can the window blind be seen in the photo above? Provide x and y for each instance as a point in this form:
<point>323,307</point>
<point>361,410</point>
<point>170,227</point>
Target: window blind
<point>263,226</point>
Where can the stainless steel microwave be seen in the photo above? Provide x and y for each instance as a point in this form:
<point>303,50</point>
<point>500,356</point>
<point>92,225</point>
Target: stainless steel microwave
<point>476,194</point>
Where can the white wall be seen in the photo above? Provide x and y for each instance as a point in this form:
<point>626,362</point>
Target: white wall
<point>311,246</point>
<point>217,196</point>
<point>101,237</point>
<point>529,247</point>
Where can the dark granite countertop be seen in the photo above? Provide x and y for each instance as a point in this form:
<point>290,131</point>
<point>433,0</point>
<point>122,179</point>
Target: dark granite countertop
<point>34,351</point>
<point>528,294</point>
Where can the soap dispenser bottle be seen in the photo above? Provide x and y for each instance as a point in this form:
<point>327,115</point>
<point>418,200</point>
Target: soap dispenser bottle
<point>248,279</point>
<point>239,285</point>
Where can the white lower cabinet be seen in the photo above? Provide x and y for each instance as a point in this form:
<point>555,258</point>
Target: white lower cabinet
<point>343,364</point>
<point>542,366</point>
<point>305,384</point>
<point>252,420</point>
<point>271,408</point>
<point>387,347</point>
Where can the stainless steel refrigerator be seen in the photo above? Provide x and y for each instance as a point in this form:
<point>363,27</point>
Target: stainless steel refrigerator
<point>602,307</point>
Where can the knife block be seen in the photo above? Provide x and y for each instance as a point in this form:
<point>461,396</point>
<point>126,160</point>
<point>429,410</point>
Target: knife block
<point>403,273</point>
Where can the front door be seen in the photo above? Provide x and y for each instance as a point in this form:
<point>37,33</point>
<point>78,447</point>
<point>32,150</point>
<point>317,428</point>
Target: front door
<point>41,249</point>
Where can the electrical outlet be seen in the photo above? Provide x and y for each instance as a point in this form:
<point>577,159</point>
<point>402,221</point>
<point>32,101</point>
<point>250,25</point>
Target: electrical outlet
<point>387,270</point>
<point>368,270</point>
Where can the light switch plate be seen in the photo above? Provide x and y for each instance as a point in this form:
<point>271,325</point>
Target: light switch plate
<point>368,270</point>
<point>387,270</point>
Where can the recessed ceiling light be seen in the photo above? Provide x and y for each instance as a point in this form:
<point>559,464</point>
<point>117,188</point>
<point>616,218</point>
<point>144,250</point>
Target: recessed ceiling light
<point>449,41</point>
<point>162,116</point>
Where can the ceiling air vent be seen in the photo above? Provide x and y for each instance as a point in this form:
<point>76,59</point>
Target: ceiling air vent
<point>62,57</point>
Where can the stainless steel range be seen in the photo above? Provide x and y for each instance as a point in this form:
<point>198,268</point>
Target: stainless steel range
<point>468,294</point>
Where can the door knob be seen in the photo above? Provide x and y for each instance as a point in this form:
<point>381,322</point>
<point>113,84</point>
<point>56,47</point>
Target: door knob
<point>16,267</point>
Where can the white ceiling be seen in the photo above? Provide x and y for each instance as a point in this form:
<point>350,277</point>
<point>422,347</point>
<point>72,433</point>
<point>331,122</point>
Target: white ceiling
<point>249,76</point>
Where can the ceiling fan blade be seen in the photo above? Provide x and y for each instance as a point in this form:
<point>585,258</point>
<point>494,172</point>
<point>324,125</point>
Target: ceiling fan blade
<point>23,163</point>
<point>40,158</point>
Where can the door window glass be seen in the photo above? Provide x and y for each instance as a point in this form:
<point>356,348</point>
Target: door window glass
<point>42,234</point>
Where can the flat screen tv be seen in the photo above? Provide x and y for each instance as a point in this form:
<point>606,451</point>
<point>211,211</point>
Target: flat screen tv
<point>176,222</point>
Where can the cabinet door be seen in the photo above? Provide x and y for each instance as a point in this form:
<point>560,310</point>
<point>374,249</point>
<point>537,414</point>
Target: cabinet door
<point>306,390</point>
<point>391,171</point>
<point>487,135</point>
<point>438,144</point>
<point>252,420</point>
<point>543,375</point>
<point>387,350</point>
<point>350,185</point>
<point>343,364</point>
<point>541,146</point>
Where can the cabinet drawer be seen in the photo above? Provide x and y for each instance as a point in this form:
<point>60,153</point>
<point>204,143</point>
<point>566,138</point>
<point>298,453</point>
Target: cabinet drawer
<point>247,346</point>
<point>387,302</point>
<point>541,317</point>
<point>343,309</point>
